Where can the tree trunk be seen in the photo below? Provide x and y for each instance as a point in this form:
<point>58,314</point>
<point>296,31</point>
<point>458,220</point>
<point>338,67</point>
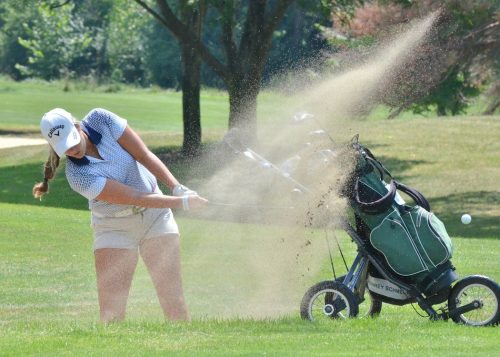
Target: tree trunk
<point>191,65</point>
<point>441,110</point>
<point>492,108</point>
<point>494,94</point>
<point>245,61</point>
<point>243,95</point>
<point>191,76</point>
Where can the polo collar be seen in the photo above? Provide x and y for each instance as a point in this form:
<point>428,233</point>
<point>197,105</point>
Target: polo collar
<point>94,136</point>
<point>79,162</point>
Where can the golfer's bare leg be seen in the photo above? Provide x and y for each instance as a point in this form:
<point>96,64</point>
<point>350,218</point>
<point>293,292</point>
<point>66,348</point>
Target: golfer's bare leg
<point>162,258</point>
<point>115,270</point>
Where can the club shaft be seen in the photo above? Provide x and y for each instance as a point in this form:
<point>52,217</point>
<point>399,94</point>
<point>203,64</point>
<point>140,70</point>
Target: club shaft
<point>283,174</point>
<point>236,205</point>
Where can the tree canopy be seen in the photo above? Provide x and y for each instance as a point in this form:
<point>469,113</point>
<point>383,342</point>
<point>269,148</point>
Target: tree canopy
<point>240,46</point>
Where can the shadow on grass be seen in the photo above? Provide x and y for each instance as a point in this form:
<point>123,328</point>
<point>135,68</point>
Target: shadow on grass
<point>480,204</point>
<point>20,132</point>
<point>398,167</point>
<point>16,184</point>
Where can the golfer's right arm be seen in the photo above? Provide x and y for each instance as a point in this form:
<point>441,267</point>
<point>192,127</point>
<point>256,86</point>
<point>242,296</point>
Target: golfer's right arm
<point>118,193</point>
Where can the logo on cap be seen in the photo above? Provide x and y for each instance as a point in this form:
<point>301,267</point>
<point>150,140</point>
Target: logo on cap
<point>51,131</point>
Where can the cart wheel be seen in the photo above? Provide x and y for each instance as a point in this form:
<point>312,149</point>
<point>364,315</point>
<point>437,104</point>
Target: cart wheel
<point>481,288</point>
<point>328,300</point>
<point>369,307</point>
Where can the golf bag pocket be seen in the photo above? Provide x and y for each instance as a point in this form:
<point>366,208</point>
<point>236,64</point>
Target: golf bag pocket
<point>412,242</point>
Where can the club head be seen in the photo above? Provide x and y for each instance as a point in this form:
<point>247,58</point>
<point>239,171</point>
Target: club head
<point>318,134</point>
<point>296,193</point>
<point>249,155</point>
<point>302,117</point>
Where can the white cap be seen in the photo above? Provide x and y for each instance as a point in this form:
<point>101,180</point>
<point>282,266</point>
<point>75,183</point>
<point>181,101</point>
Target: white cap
<point>59,130</point>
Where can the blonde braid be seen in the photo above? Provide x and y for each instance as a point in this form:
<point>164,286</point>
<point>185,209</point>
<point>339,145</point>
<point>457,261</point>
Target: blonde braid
<point>49,171</point>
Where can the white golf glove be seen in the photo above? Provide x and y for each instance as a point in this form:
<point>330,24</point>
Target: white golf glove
<point>181,190</point>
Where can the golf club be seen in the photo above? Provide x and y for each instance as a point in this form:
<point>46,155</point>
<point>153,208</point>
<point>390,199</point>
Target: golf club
<point>232,139</point>
<point>305,116</point>
<point>237,205</point>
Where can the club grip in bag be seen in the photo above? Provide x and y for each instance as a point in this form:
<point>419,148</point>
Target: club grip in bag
<point>415,195</point>
<point>377,206</point>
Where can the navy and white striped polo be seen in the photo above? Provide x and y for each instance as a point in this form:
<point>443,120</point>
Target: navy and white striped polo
<point>88,175</point>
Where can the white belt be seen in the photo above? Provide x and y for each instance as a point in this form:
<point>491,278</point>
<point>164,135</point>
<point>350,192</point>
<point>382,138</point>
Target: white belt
<point>126,212</point>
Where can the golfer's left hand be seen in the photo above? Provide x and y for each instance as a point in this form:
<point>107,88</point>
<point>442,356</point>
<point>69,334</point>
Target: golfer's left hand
<point>181,190</point>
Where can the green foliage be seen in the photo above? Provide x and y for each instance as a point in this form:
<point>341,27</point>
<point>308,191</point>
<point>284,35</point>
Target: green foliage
<point>115,40</point>
<point>450,97</point>
<point>55,39</point>
<point>344,9</point>
<point>298,42</point>
<point>162,58</point>
<point>95,15</point>
<point>126,39</point>
<point>356,43</point>
<point>472,45</point>
<point>13,14</point>
<point>473,48</point>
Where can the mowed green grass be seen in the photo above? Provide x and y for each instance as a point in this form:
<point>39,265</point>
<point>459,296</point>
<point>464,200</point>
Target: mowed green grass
<point>148,110</point>
<point>243,282</point>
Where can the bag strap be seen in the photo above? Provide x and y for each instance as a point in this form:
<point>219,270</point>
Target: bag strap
<point>374,207</point>
<point>415,195</point>
<point>377,206</point>
<point>368,155</point>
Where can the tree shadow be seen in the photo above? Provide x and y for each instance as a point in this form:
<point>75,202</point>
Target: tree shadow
<point>397,167</point>
<point>17,182</point>
<point>21,132</point>
<point>479,204</point>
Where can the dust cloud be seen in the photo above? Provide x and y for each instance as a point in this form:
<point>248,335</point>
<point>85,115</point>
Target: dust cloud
<point>275,252</point>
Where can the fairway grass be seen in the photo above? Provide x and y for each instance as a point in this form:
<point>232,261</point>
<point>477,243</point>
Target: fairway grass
<point>49,305</point>
<point>148,110</point>
<point>369,337</point>
<point>243,282</point>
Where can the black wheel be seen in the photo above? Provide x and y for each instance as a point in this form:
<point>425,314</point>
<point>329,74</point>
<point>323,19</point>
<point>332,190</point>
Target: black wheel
<point>328,300</point>
<point>476,288</point>
<point>368,305</point>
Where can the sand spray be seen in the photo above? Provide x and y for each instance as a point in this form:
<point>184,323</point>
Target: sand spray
<point>277,248</point>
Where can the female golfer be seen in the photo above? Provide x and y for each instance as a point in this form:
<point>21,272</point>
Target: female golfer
<point>110,165</point>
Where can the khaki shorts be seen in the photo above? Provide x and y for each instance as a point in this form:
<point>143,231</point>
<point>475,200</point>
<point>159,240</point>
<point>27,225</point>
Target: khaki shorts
<point>130,231</point>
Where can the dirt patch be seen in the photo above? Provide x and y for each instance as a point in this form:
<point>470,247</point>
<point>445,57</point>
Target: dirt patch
<point>14,141</point>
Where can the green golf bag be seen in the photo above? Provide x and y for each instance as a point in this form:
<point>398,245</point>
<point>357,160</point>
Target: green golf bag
<point>412,240</point>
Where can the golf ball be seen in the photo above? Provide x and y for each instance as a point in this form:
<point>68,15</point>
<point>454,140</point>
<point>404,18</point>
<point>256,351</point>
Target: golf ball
<point>466,219</point>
